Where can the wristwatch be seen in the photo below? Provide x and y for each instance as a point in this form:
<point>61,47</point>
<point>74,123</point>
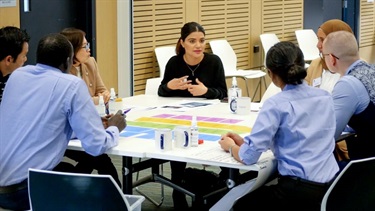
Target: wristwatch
<point>230,149</point>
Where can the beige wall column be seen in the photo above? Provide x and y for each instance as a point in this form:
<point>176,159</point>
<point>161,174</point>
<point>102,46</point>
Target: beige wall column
<point>106,40</point>
<point>10,16</point>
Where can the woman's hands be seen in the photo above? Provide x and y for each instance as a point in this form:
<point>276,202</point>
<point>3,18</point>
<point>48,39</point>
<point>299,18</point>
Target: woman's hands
<point>179,83</point>
<point>229,139</point>
<point>197,90</point>
<point>182,84</point>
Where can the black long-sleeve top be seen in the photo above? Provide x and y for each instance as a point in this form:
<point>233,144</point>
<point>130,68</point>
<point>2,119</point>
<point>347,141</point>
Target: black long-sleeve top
<point>210,72</point>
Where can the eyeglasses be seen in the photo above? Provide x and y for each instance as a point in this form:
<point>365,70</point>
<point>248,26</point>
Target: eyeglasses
<point>87,46</point>
<point>323,55</point>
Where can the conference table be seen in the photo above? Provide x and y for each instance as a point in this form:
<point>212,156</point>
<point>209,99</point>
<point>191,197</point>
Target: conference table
<point>214,118</point>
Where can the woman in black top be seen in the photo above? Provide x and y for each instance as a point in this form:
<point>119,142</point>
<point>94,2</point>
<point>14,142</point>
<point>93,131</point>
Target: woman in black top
<point>192,72</point>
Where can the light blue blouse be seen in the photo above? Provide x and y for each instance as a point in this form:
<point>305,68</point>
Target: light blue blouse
<point>298,125</point>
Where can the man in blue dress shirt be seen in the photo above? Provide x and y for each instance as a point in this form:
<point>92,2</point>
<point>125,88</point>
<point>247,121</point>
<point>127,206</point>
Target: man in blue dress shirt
<point>41,108</point>
<point>354,93</point>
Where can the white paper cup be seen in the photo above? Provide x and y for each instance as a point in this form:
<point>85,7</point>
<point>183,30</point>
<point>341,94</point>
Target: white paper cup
<point>243,105</point>
<point>181,136</point>
<point>163,139</point>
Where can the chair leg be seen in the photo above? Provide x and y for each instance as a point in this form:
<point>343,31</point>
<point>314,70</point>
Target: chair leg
<point>259,86</point>
<point>247,88</point>
<point>158,204</point>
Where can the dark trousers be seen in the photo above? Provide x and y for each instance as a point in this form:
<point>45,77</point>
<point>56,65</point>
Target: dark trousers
<point>87,163</point>
<point>288,194</point>
<point>177,176</point>
<point>19,199</point>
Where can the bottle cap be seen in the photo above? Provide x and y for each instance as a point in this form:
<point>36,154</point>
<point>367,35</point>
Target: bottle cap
<point>234,81</point>
<point>113,93</point>
<point>101,99</point>
<point>194,121</point>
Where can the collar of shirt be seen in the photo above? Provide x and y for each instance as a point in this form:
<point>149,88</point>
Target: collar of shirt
<point>351,66</point>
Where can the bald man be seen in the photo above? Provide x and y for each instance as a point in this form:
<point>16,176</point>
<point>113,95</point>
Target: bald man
<point>353,94</point>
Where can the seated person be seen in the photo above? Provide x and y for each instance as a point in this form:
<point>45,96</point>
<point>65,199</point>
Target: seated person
<point>299,133</point>
<point>191,73</point>
<point>354,94</point>
<point>85,67</point>
<point>41,108</point>
<point>15,45</point>
<point>318,74</point>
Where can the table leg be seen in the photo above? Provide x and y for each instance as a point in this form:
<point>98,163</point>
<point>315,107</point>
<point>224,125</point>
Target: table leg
<point>127,175</point>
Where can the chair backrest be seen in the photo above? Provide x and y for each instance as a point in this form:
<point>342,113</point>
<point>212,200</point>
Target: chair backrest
<point>163,54</point>
<point>271,90</point>
<point>307,41</point>
<point>353,189</point>
<point>49,190</point>
<point>152,86</point>
<point>268,40</point>
<point>225,52</point>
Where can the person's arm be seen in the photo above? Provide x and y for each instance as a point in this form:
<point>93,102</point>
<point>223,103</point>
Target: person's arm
<point>231,143</point>
<point>178,84</point>
<point>87,125</point>
<point>100,88</point>
<point>219,90</point>
<point>348,99</point>
<point>262,134</point>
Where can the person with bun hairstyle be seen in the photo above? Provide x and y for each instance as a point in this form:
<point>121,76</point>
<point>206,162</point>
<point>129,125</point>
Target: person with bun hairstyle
<point>299,133</point>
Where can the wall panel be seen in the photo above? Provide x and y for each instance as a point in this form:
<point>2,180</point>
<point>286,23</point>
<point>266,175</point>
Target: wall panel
<point>156,23</point>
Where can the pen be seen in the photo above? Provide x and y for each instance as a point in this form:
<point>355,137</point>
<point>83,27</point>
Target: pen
<point>127,110</point>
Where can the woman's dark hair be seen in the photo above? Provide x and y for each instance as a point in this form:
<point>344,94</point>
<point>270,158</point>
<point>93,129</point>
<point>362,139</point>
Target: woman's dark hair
<point>187,29</point>
<point>286,60</point>
<point>54,50</point>
<point>75,36</point>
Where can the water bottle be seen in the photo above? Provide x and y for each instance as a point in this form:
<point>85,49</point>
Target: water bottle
<point>194,132</point>
<point>233,101</point>
<point>112,102</point>
<point>101,107</point>
<point>234,93</point>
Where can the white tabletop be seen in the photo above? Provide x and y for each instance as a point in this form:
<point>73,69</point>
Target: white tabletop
<point>208,153</point>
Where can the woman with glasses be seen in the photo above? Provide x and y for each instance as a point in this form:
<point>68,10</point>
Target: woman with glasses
<point>299,133</point>
<point>319,75</point>
<point>85,66</point>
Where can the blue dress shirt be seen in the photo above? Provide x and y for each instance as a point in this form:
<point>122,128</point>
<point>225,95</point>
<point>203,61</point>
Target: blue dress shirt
<point>298,125</point>
<point>349,97</point>
<point>41,107</point>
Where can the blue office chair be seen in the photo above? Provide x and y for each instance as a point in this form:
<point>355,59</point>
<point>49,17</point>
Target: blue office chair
<point>353,189</point>
<point>49,190</point>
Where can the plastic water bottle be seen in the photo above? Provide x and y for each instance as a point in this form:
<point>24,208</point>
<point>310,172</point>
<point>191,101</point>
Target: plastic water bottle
<point>112,102</point>
<point>233,101</point>
<point>234,93</point>
<point>101,106</point>
<point>194,132</point>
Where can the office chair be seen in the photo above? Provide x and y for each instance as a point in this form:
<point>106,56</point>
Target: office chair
<point>50,190</point>
<point>353,188</point>
<point>307,41</point>
<point>163,54</point>
<point>271,90</point>
<point>228,57</point>
<point>268,40</point>
<point>152,86</point>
